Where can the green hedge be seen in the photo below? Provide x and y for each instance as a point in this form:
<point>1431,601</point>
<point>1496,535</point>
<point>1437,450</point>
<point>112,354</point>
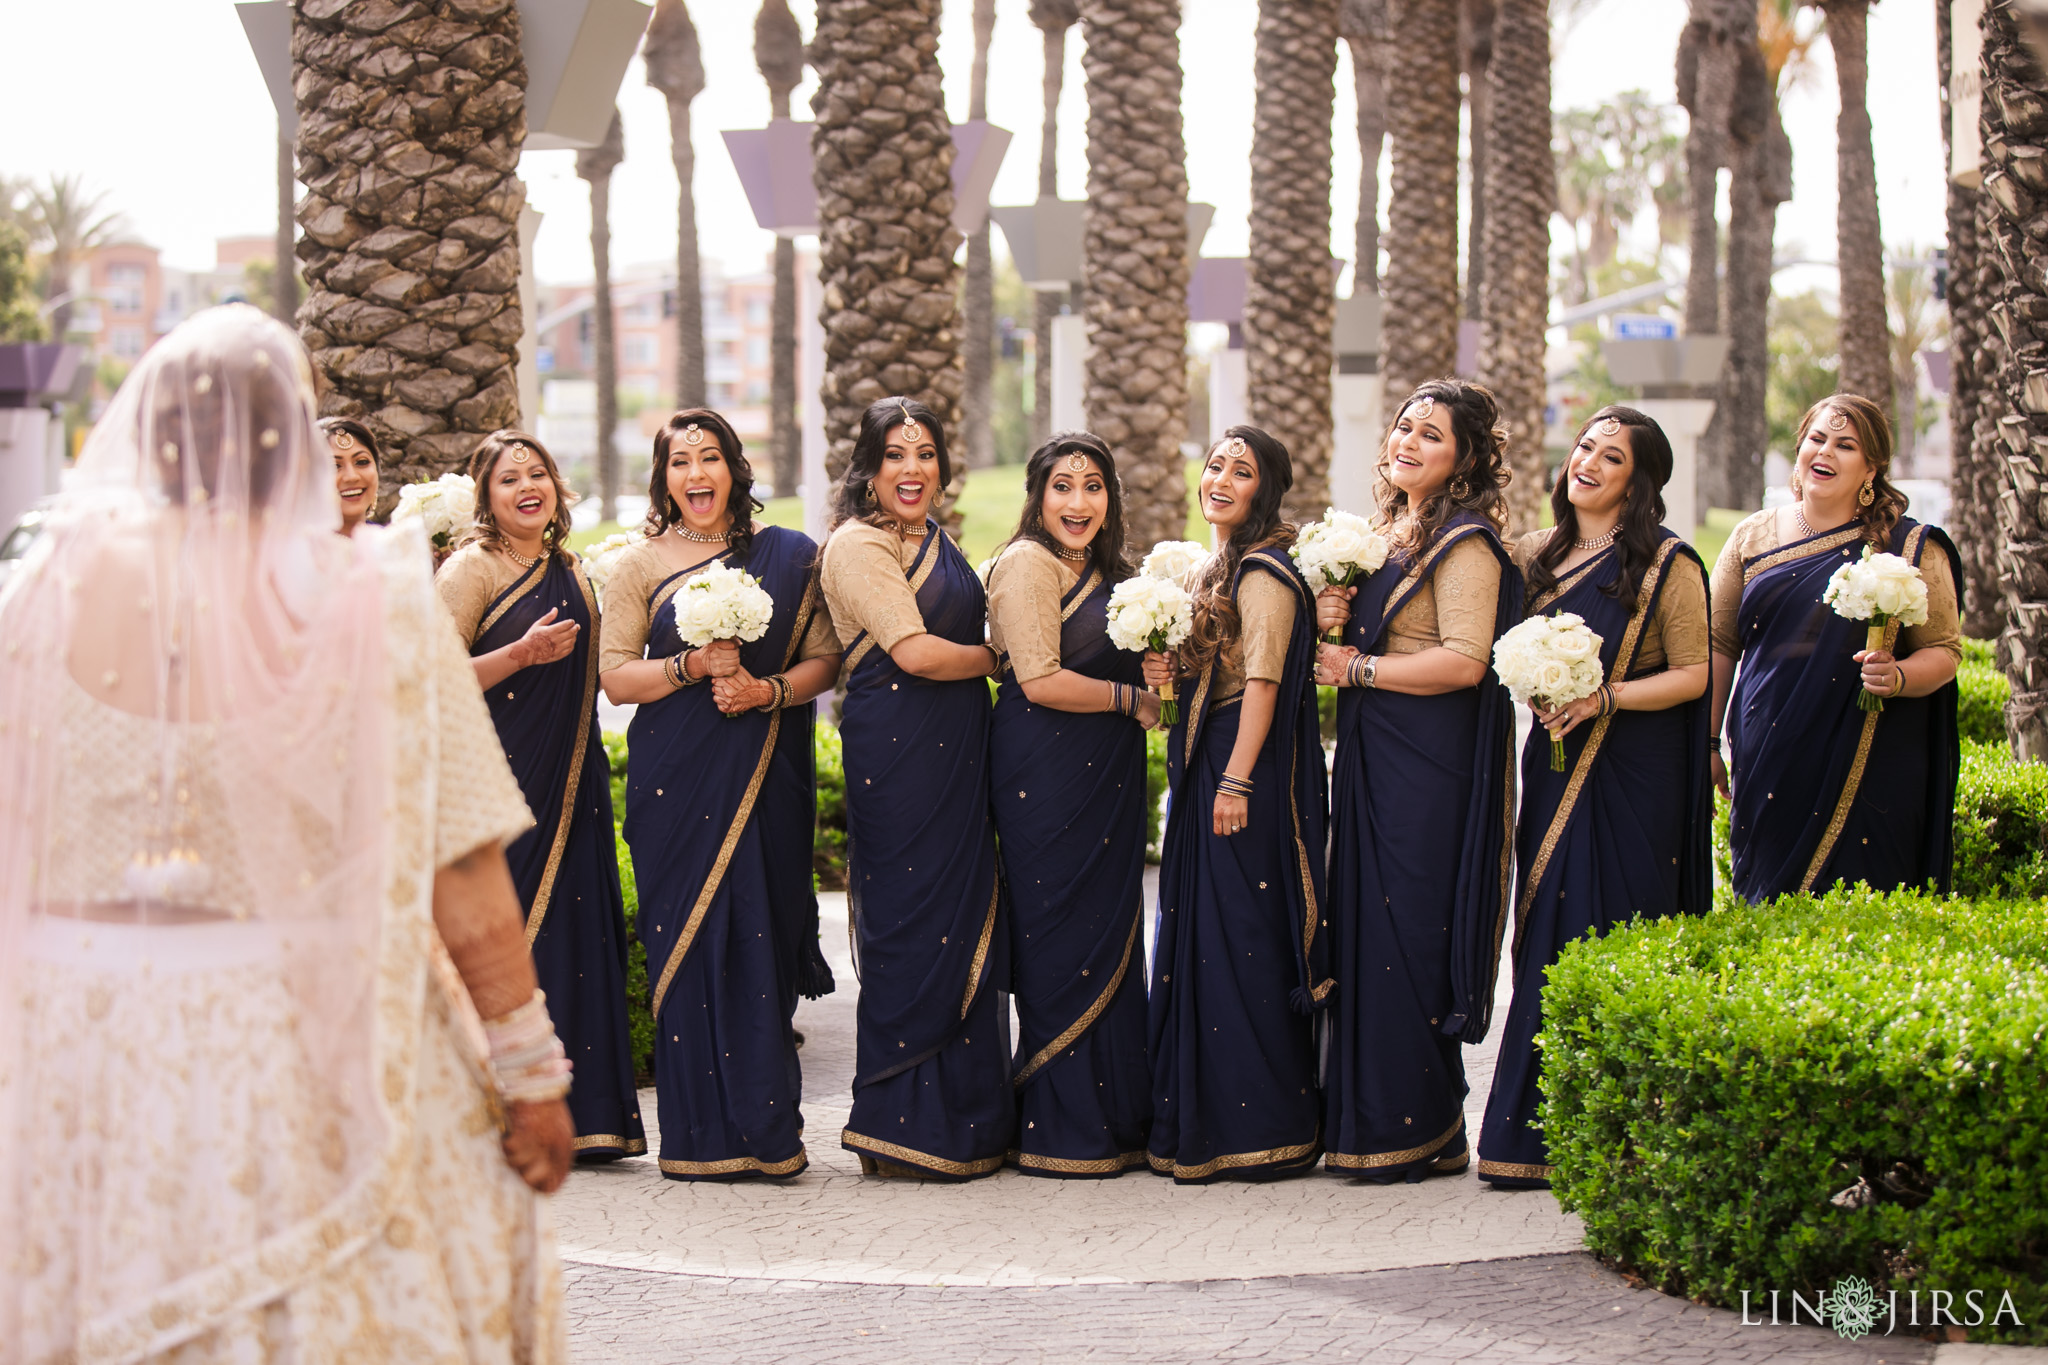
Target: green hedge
<point>638,993</point>
<point>1711,1084</point>
<point>2001,824</point>
<point>1982,691</point>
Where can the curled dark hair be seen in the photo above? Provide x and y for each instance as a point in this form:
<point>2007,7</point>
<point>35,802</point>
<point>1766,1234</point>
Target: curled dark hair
<point>485,458</point>
<point>1214,627</point>
<point>851,498</point>
<point>740,503</point>
<point>1107,552</point>
<point>1640,530</point>
<point>1477,479</point>
<point>1874,435</point>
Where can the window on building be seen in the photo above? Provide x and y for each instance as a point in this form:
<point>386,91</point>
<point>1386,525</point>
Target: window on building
<point>757,311</point>
<point>640,352</point>
<point>757,351</point>
<point>126,342</point>
<point>124,288</point>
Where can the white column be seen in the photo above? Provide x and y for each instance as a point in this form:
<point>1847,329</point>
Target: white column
<point>1355,404</point>
<point>24,462</point>
<point>528,369</point>
<point>1069,373</point>
<point>810,379</point>
<point>1683,420</point>
<point>1226,390</point>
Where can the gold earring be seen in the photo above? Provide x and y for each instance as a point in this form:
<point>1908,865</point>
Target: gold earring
<point>1460,490</point>
<point>1798,492</point>
<point>871,490</point>
<point>1867,494</point>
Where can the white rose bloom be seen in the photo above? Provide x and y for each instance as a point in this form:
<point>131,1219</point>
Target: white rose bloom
<point>1173,559</point>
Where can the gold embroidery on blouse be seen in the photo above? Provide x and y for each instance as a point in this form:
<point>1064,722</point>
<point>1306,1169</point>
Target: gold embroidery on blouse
<point>1915,542</point>
<point>509,598</point>
<point>1089,1016</point>
<point>587,708</point>
<point>911,1156</point>
<point>1272,1156</point>
<point>1348,1161</point>
<point>1623,658</point>
<point>1832,541</point>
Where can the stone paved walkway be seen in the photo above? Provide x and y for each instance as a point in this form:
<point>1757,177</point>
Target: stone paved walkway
<point>832,1267</point>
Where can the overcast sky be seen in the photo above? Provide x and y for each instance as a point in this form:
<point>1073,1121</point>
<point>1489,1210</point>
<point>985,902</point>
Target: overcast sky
<point>159,103</point>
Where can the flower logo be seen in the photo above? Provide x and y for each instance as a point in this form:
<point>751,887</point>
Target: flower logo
<point>1852,1307</point>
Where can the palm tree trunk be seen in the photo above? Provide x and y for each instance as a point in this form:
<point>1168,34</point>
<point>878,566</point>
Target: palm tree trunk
<point>1135,256</point>
<point>1476,35</point>
<point>1290,299</point>
<point>1370,83</point>
<point>1054,18</point>
<point>2015,138</point>
<point>411,248</point>
<point>978,442</point>
<point>1520,180</point>
<point>284,284</point>
<point>676,68</point>
<point>779,53</point>
<point>1859,244</point>
<point>885,205</point>
<point>1974,459</point>
<point>1421,285</point>
<point>596,166</point>
<point>1706,89</point>
<point>1760,161</point>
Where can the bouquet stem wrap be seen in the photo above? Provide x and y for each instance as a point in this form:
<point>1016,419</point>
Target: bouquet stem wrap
<point>1877,590</point>
<point>1866,699</point>
<point>1169,709</point>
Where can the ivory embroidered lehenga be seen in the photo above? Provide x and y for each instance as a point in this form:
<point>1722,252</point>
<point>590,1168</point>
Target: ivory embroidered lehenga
<point>242,1110</point>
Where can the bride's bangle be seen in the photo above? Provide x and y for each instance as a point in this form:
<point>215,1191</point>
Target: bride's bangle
<point>526,1056</point>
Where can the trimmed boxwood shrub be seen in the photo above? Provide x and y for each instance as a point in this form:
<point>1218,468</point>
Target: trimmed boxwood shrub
<point>1982,692</point>
<point>2001,824</point>
<point>639,1020</point>
<point>1712,1084</point>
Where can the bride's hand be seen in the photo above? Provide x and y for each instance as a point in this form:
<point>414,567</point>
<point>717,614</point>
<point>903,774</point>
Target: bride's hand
<point>540,1143</point>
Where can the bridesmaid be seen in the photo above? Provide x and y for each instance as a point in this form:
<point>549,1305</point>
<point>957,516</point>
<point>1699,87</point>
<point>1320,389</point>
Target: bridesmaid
<point>355,469</point>
<point>1423,791</point>
<point>1823,791</point>
<point>1067,765</point>
<point>525,608</point>
<point>1240,963</point>
<point>721,809</point>
<point>931,1088</point>
<point>1623,831</point>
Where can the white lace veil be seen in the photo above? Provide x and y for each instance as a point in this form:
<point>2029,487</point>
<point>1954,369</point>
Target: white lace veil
<point>193,788</point>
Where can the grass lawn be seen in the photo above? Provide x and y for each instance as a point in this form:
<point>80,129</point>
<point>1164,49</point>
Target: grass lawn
<point>992,499</point>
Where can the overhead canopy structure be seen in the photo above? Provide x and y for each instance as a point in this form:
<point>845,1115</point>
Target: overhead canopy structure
<point>1046,238</point>
<point>774,165</point>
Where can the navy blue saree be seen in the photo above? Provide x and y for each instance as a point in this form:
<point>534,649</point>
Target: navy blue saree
<point>566,867</point>
<point>931,1089</point>
<point>1824,792</point>
<point>1070,813</point>
<point>720,816</point>
<point>1239,968</point>
<point>1423,805</point>
<point>1621,833</point>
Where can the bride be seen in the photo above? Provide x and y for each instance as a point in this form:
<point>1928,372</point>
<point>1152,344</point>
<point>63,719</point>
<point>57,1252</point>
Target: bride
<point>275,1081</point>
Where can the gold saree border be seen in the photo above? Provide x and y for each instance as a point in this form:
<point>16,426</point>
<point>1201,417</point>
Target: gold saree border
<point>1561,817</point>
<point>1088,1016</point>
<point>630,1146</point>
<point>507,598</point>
<point>1347,1161</point>
<point>545,893</point>
<point>1826,544</point>
<point>1565,583</point>
<point>988,931</point>
<point>910,1156</point>
<point>1109,1165</point>
<point>745,812</point>
<point>737,1165</point>
<point>1916,539</point>
<point>1515,1170</point>
<point>1233,1161</point>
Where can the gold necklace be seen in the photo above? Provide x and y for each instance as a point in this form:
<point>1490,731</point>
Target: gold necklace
<point>1071,556</point>
<point>1600,542</point>
<point>699,536</point>
<point>518,559</point>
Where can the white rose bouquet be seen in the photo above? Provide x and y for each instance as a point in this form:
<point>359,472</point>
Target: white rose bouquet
<point>446,507</point>
<point>1155,614</point>
<point>1554,660</point>
<point>1173,558</point>
<point>600,559</point>
<point>720,602</point>
<point>1334,552</point>
<point>1877,589</point>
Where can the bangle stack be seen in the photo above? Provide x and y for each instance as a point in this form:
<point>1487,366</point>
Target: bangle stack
<point>1230,784</point>
<point>1123,699</point>
<point>785,694</point>
<point>995,660</point>
<point>677,667</point>
<point>526,1056</point>
<point>1609,703</point>
<point>1362,671</point>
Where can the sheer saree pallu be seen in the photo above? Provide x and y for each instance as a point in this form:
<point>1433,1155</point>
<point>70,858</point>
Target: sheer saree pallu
<point>1423,804</point>
<point>720,816</point>
<point>932,1087</point>
<point>1621,833</point>
<point>1070,811</point>
<point>1825,792</point>
<point>1239,968</point>
<point>566,867</point>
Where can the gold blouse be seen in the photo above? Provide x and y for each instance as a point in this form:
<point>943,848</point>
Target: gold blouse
<point>1774,526</point>
<point>1265,617</point>
<point>1455,608</point>
<point>469,581</point>
<point>865,587</point>
<point>1024,592</point>
<point>627,621</point>
<point>1675,636</point>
